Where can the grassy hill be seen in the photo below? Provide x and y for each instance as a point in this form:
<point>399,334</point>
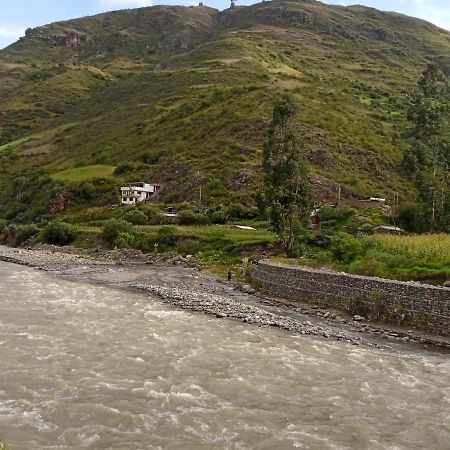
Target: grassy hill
<point>183,96</point>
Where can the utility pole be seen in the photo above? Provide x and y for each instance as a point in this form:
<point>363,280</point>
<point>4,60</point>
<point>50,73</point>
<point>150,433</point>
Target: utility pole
<point>199,191</point>
<point>396,199</point>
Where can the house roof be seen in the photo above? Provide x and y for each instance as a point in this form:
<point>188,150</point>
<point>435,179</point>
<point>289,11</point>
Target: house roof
<point>389,228</point>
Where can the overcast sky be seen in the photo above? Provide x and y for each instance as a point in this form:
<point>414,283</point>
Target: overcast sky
<point>17,15</point>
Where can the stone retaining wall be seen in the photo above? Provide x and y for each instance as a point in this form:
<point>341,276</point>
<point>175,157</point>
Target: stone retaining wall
<point>410,304</point>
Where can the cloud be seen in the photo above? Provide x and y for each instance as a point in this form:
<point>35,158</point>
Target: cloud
<point>11,32</point>
<point>124,3</point>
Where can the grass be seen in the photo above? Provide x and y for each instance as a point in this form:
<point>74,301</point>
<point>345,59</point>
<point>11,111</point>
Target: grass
<point>418,257</point>
<point>205,105</point>
<point>220,233</point>
<point>13,144</point>
<point>425,247</point>
<point>84,173</point>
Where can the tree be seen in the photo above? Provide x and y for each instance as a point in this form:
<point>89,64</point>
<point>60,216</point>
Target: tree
<point>286,189</point>
<point>429,157</point>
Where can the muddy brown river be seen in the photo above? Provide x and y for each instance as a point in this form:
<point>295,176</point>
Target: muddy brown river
<point>87,366</point>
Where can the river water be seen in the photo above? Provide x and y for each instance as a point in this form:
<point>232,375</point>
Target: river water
<point>85,366</point>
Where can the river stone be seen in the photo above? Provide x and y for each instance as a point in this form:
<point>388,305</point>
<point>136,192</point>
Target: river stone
<point>358,318</point>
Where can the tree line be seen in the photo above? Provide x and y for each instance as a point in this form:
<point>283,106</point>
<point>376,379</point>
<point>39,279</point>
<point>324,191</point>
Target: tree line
<point>285,194</point>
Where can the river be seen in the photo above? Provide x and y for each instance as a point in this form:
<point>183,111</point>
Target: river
<point>88,366</point>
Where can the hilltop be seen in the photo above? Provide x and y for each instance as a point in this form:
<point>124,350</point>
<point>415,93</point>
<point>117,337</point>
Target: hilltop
<point>183,96</point>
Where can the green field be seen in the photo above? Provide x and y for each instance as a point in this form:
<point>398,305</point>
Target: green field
<point>417,257</point>
<point>84,173</point>
<point>224,233</point>
<point>11,145</point>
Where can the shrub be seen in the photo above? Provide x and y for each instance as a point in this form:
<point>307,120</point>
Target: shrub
<point>339,214</point>
<point>167,236</point>
<point>189,217</point>
<point>3,224</point>
<point>319,240</point>
<point>136,217</point>
<point>151,158</point>
<point>58,233</point>
<point>123,168</point>
<point>239,211</point>
<point>215,189</point>
<point>189,247</point>
<point>346,248</point>
<point>112,228</point>
<point>406,215</point>
<point>124,240</point>
<point>219,216</point>
<point>25,232</point>
<point>154,217</point>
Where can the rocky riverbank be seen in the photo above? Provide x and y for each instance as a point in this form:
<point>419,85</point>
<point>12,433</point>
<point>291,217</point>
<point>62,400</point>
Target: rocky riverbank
<point>185,287</point>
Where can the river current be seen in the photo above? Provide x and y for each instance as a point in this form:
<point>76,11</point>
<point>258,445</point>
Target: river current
<point>87,366</point>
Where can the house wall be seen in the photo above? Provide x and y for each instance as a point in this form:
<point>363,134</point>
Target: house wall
<point>411,304</point>
<point>141,191</point>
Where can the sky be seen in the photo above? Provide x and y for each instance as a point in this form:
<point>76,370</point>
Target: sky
<point>17,15</point>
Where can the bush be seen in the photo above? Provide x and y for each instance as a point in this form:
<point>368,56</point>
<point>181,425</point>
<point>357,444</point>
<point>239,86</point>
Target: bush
<point>25,232</point>
<point>124,168</point>
<point>112,228</point>
<point>189,247</point>
<point>239,211</point>
<point>406,215</point>
<point>321,240</point>
<point>154,217</point>
<point>346,248</point>
<point>189,217</point>
<point>151,158</point>
<point>339,214</point>
<point>3,224</point>
<point>218,216</point>
<point>124,240</point>
<point>167,236</point>
<point>136,217</point>
<point>58,233</point>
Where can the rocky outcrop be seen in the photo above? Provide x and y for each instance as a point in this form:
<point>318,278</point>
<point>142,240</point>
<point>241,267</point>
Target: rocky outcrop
<point>72,39</point>
<point>60,203</point>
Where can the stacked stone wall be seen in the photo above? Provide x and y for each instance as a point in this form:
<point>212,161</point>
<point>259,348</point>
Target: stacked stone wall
<point>411,304</point>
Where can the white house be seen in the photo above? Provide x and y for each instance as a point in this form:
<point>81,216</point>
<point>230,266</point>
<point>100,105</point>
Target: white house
<point>138,192</point>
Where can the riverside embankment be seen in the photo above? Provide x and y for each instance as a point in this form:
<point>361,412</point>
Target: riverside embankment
<point>407,303</point>
<point>189,289</point>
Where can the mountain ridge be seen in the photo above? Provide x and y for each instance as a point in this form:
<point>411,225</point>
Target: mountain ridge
<point>172,91</point>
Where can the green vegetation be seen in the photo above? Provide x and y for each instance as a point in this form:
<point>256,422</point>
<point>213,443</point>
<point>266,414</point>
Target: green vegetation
<point>211,245</point>
<point>114,229</point>
<point>25,233</point>
<point>429,157</point>
<point>58,233</point>
<point>84,173</point>
<point>419,257</point>
<point>286,185</point>
<point>11,145</point>
<point>189,104</point>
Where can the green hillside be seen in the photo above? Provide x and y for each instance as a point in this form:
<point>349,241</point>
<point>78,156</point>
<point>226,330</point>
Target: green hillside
<point>183,97</point>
